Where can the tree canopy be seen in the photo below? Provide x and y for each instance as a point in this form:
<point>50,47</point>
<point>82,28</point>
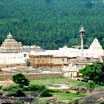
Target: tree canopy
<point>94,72</point>
<point>52,23</point>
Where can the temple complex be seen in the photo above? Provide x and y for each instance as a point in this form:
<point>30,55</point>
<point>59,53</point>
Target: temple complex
<point>67,61</point>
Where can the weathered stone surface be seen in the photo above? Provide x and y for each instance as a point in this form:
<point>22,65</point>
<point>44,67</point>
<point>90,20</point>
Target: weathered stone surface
<point>97,98</point>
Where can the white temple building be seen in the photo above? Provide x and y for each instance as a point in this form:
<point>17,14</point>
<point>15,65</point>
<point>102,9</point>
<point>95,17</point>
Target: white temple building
<point>13,53</point>
<point>10,53</point>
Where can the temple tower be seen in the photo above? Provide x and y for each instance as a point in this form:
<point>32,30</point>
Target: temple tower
<point>10,45</point>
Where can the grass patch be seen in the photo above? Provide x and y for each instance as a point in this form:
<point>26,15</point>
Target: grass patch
<point>62,96</point>
<point>46,81</point>
<point>59,80</point>
<point>56,80</point>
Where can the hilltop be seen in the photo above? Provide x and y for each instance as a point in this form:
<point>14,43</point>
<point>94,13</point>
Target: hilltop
<point>52,23</point>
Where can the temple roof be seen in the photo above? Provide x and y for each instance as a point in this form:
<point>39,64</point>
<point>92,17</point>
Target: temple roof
<point>10,45</point>
<point>96,45</point>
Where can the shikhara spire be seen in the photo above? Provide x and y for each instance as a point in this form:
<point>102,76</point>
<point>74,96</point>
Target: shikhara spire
<point>96,45</point>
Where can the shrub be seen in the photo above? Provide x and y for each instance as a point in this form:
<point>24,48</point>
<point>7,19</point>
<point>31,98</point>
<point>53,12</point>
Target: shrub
<point>46,93</point>
<point>91,85</point>
<point>41,90</point>
<point>20,80</point>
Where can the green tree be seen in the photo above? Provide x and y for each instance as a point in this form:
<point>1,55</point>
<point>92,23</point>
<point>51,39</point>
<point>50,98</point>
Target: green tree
<point>94,72</point>
<point>20,80</point>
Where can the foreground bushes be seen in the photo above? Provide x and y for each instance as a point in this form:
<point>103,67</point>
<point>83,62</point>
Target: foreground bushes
<point>22,88</point>
<point>36,90</point>
<point>41,90</point>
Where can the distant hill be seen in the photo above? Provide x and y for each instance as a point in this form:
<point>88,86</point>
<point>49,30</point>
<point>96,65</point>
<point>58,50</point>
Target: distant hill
<point>52,23</point>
